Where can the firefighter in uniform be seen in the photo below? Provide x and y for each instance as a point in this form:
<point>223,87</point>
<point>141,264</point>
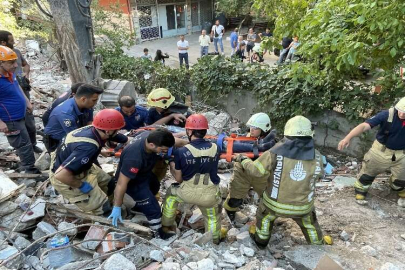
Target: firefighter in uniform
<point>164,110</point>
<point>196,166</point>
<point>74,172</point>
<point>291,167</point>
<point>387,152</point>
<point>241,182</point>
<point>134,174</point>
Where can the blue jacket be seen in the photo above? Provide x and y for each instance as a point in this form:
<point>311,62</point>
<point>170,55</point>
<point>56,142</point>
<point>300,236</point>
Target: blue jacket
<point>135,120</point>
<point>67,117</point>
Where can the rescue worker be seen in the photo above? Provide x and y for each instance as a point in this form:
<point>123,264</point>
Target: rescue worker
<point>241,182</point>
<point>134,115</point>
<point>195,171</point>
<point>72,114</point>
<point>22,74</point>
<point>134,173</point>
<point>291,167</point>
<point>164,110</point>
<point>387,152</point>
<point>65,96</point>
<point>13,107</point>
<point>74,172</point>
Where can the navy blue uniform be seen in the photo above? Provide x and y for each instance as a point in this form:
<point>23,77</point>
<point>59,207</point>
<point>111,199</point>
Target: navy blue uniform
<point>79,157</point>
<point>185,161</point>
<point>175,107</point>
<point>396,137</point>
<point>59,100</point>
<point>67,117</point>
<point>136,164</point>
<point>135,120</point>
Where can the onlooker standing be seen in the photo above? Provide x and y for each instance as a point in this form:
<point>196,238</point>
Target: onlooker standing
<point>240,40</point>
<point>13,106</point>
<point>251,38</point>
<point>22,73</point>
<point>146,54</point>
<point>234,41</point>
<point>285,43</point>
<point>182,46</point>
<point>217,32</point>
<point>293,48</point>
<point>204,41</point>
<point>265,34</point>
<point>160,57</point>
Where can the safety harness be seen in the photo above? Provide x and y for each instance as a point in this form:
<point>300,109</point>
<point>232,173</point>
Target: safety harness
<point>200,154</point>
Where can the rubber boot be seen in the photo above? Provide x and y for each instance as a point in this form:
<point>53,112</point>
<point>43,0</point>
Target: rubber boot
<point>164,233</point>
<point>231,214</point>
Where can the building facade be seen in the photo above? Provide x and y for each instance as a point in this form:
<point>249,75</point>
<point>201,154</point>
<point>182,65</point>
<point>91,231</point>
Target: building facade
<point>153,19</point>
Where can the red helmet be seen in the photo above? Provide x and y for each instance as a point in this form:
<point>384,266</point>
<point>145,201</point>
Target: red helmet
<point>109,119</point>
<point>197,122</point>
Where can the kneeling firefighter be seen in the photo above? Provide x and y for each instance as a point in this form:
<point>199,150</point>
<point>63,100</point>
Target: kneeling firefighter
<point>241,182</point>
<point>196,166</point>
<point>74,172</point>
<point>292,167</point>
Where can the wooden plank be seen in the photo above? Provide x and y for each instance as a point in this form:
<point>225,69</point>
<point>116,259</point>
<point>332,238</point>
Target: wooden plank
<point>127,225</point>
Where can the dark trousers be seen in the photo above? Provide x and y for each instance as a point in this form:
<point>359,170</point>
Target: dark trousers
<point>19,138</point>
<point>185,57</point>
<point>30,123</point>
<point>146,203</point>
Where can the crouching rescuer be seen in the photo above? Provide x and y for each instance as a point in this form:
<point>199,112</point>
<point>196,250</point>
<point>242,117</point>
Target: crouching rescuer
<point>292,167</point>
<point>196,166</point>
<point>387,152</point>
<point>74,172</point>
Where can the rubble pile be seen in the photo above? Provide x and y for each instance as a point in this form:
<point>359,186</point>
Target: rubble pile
<point>40,230</point>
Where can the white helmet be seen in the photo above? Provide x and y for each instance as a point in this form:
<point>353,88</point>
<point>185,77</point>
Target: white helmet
<point>400,106</point>
<point>299,126</point>
<point>260,120</point>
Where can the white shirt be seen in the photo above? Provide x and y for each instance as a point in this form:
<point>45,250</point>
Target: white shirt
<point>219,30</point>
<point>183,44</point>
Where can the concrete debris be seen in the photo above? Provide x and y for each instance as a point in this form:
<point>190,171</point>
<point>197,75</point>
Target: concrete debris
<point>344,236</point>
<point>21,243</point>
<point>217,125</point>
<point>238,261</point>
<point>197,215</point>
<point>117,262</point>
<point>95,232</point>
<point>170,266</point>
<point>370,251</point>
<point>247,251</point>
<point>244,238</point>
<point>7,207</point>
<point>36,210</point>
<point>390,266</point>
<point>43,229</point>
<point>63,226</point>
<point>43,162</point>
<point>157,255</point>
<point>231,235</point>
<point>205,264</point>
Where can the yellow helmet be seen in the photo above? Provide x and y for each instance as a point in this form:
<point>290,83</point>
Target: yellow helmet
<point>298,126</point>
<point>400,106</point>
<point>161,98</point>
<point>7,54</point>
<point>259,120</point>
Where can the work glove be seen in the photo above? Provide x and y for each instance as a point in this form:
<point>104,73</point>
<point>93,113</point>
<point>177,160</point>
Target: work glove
<point>239,158</point>
<point>115,216</point>
<point>85,187</point>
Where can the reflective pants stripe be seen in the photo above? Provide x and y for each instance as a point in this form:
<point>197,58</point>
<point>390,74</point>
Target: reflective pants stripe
<point>264,230</point>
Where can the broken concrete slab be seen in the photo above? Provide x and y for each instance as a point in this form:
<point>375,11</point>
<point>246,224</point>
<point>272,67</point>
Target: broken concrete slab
<point>308,256</point>
<point>341,182</point>
<point>36,210</point>
<point>157,255</point>
<point>117,262</point>
<point>11,220</point>
<point>7,207</point>
<point>63,226</point>
<point>21,243</point>
<point>43,162</point>
<point>7,187</point>
<point>43,229</point>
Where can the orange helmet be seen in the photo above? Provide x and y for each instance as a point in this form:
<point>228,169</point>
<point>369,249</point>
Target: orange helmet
<point>197,122</point>
<point>7,54</point>
<point>109,119</point>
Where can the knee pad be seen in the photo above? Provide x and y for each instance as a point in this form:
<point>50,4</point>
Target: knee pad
<point>235,202</point>
<point>366,179</point>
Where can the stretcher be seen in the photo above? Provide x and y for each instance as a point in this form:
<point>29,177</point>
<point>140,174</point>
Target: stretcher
<point>228,154</point>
